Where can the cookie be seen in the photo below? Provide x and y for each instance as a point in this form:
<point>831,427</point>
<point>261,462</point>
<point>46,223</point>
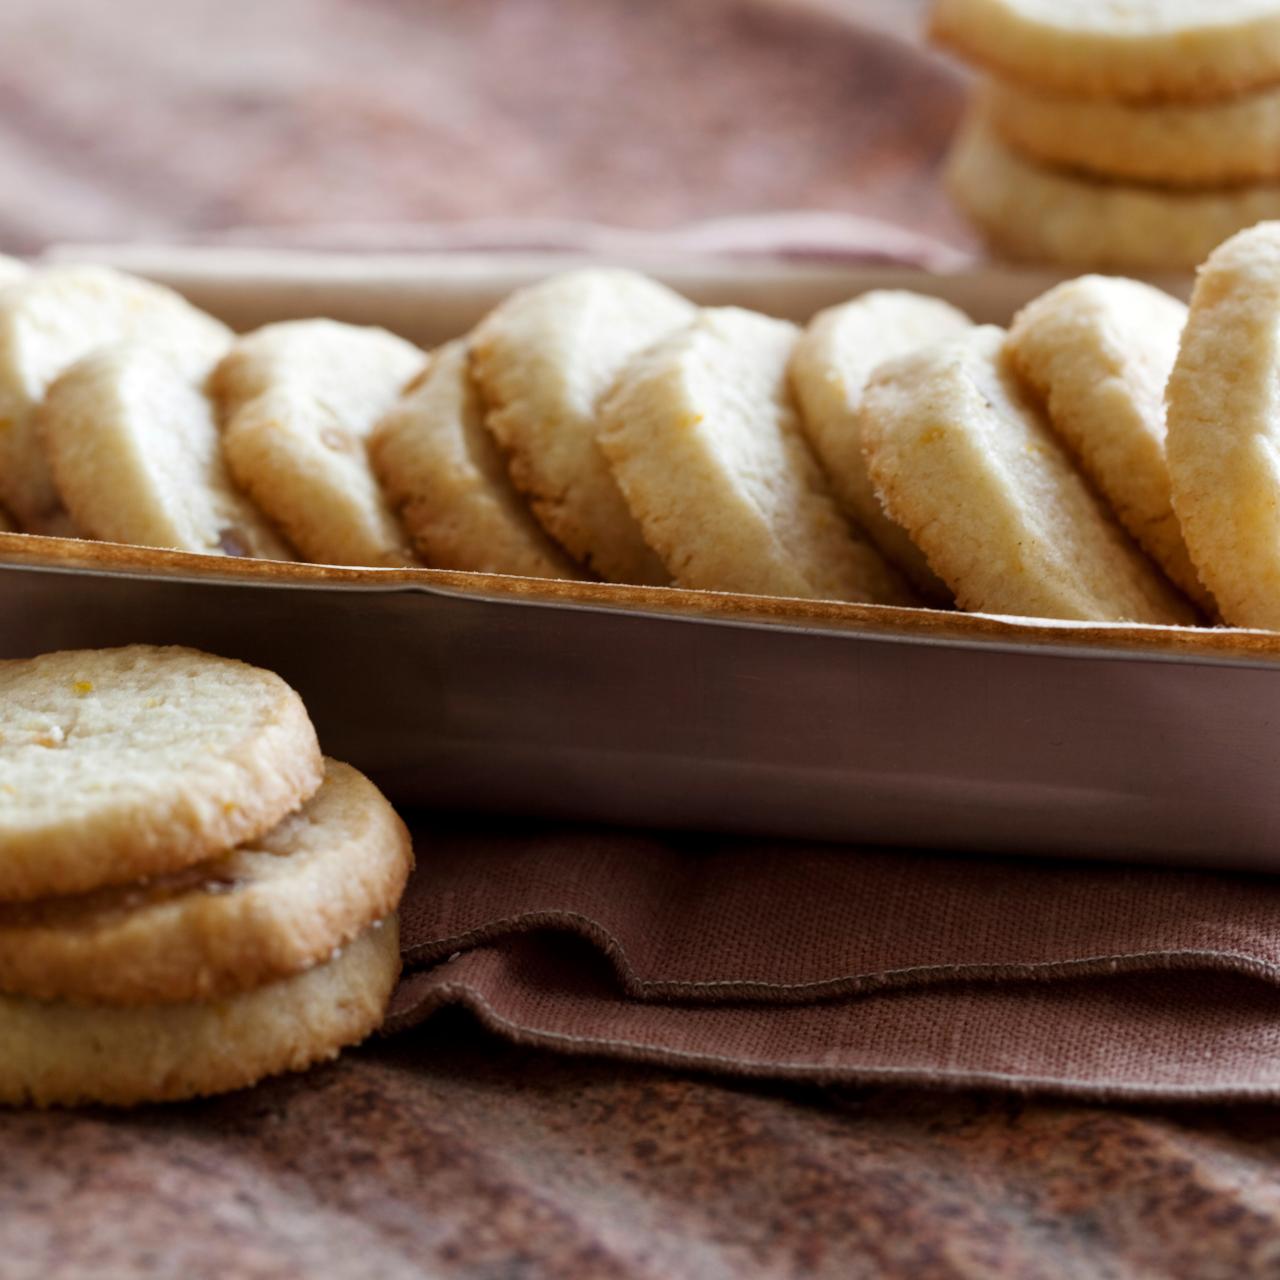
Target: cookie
<point>272,907</point>
<point>703,436</point>
<point>542,360</point>
<point>1145,50</point>
<point>12,270</point>
<point>966,463</point>
<point>134,448</point>
<point>1224,441</point>
<point>446,479</point>
<point>1171,144</point>
<point>830,366</point>
<point>1030,212</point>
<point>1097,352</point>
<point>298,401</point>
<point>48,320</point>
<point>121,763</point>
<point>55,1053</point>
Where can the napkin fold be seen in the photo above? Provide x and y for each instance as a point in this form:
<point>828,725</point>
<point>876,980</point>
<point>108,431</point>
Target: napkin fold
<point>775,959</point>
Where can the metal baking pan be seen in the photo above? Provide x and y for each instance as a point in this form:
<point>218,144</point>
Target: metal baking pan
<point>689,709</point>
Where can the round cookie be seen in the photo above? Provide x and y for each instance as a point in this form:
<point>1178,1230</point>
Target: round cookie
<point>12,270</point>
<point>1097,352</point>
<point>298,401</point>
<point>48,320</point>
<point>122,763</point>
<point>1144,50</point>
<point>1038,214</point>
<point>446,479</point>
<point>542,360</point>
<point>704,439</point>
<point>970,468</point>
<point>832,361</point>
<point>60,1054</point>
<point>134,447</point>
<point>1171,144</point>
<point>271,907</point>
<point>1224,440</point>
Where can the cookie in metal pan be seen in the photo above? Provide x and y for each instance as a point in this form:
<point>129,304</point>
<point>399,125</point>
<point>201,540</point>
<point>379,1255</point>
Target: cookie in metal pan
<point>1224,438</point>
<point>447,481</point>
<point>833,358</point>
<point>134,447</point>
<point>703,436</point>
<point>542,359</point>
<point>1096,352</point>
<point>965,461</point>
<point>297,402</point>
<point>49,319</point>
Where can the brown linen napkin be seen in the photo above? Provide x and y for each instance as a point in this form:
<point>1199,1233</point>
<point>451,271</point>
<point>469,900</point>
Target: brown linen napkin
<point>766,958</point>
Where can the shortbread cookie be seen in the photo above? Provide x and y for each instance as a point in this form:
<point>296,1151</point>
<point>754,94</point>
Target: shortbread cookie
<point>1097,352</point>
<point>55,1053</point>
<point>704,439</point>
<point>1179,50</point>
<point>122,763</point>
<point>542,360</point>
<point>967,464</point>
<point>830,366</point>
<point>1171,144</point>
<point>12,270</point>
<point>271,907</point>
<point>446,479</point>
<point>48,320</point>
<point>1039,214</point>
<point>1224,436</point>
<point>133,443</point>
<point>298,402</point>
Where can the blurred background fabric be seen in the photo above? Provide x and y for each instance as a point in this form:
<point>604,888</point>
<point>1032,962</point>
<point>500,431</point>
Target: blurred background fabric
<point>150,120</point>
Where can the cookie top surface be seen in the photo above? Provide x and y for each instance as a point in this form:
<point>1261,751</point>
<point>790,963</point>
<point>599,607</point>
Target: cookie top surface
<point>134,446</point>
<point>1223,440</point>
<point>966,462</point>
<point>447,480</point>
<point>298,401</point>
<point>1097,352</point>
<point>122,763</point>
<point>48,320</point>
<point>703,436</point>
<point>268,908</point>
<point>542,359</point>
<point>832,361</point>
<point>57,1053</point>
<point>1146,50</point>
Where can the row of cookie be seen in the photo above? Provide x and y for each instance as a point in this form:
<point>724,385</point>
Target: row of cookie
<point>134,418</point>
<point>593,422</point>
<point>1134,137</point>
<point>191,897</point>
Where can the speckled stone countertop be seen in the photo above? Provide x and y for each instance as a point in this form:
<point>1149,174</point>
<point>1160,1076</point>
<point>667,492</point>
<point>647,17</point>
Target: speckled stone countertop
<point>445,1152</point>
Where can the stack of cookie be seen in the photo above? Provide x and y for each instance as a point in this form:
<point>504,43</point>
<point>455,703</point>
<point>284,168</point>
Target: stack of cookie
<point>1136,135</point>
<point>191,897</point>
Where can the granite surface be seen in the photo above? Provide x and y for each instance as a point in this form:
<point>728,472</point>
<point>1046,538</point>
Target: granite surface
<point>445,1152</point>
